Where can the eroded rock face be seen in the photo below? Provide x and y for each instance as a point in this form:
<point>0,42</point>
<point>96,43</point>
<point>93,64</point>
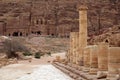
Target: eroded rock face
<point>56,17</point>
<point>112,37</point>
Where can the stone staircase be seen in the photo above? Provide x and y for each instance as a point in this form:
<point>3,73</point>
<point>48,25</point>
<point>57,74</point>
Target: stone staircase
<point>75,71</point>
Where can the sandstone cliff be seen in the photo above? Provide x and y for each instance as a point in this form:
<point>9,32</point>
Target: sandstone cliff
<point>58,17</point>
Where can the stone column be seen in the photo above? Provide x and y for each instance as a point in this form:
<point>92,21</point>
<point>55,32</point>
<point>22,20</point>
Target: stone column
<point>71,47</point>
<point>87,58</point>
<point>68,56</point>
<point>82,32</point>
<point>93,59</point>
<point>114,63</point>
<point>102,58</point>
<point>77,47</point>
<point>74,50</point>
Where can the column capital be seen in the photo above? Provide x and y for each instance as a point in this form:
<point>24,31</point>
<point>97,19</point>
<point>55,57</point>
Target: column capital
<point>82,7</point>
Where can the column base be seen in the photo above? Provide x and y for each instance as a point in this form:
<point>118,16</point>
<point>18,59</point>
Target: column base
<point>93,71</point>
<point>102,74</point>
<point>81,63</point>
<point>113,76</point>
<point>80,68</point>
<point>74,65</point>
<point>86,69</point>
<point>70,64</point>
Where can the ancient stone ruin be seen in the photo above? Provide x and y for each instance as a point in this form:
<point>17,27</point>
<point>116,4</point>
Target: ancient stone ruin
<point>56,17</point>
<point>91,62</point>
<point>94,51</point>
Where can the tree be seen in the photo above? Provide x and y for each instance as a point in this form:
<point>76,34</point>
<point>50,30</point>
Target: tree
<point>13,46</point>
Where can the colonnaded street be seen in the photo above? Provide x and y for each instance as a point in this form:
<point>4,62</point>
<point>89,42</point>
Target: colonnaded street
<point>38,69</point>
<point>46,72</point>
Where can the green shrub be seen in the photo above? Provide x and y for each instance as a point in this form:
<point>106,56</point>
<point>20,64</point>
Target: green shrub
<point>49,53</point>
<point>27,54</point>
<point>38,55</point>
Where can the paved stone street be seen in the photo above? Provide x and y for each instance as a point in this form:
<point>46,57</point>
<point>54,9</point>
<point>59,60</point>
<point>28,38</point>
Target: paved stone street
<point>32,72</point>
<point>14,71</point>
<point>38,69</point>
<point>45,72</point>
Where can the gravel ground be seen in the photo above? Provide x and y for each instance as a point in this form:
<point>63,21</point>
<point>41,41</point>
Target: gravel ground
<point>45,72</point>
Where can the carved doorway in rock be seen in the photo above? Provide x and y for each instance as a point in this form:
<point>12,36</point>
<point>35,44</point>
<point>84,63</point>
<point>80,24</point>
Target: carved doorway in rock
<point>21,34</point>
<point>15,34</point>
<point>38,32</point>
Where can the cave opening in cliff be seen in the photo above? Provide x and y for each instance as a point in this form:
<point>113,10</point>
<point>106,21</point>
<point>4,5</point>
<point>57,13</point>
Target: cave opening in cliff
<point>15,34</point>
<point>38,32</point>
<point>21,34</point>
<point>26,34</point>
<point>107,41</point>
<point>9,34</point>
<point>32,32</point>
<point>52,34</point>
<point>68,36</point>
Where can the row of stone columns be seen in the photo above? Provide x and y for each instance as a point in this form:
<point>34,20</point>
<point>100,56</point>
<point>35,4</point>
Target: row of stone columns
<point>95,59</point>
